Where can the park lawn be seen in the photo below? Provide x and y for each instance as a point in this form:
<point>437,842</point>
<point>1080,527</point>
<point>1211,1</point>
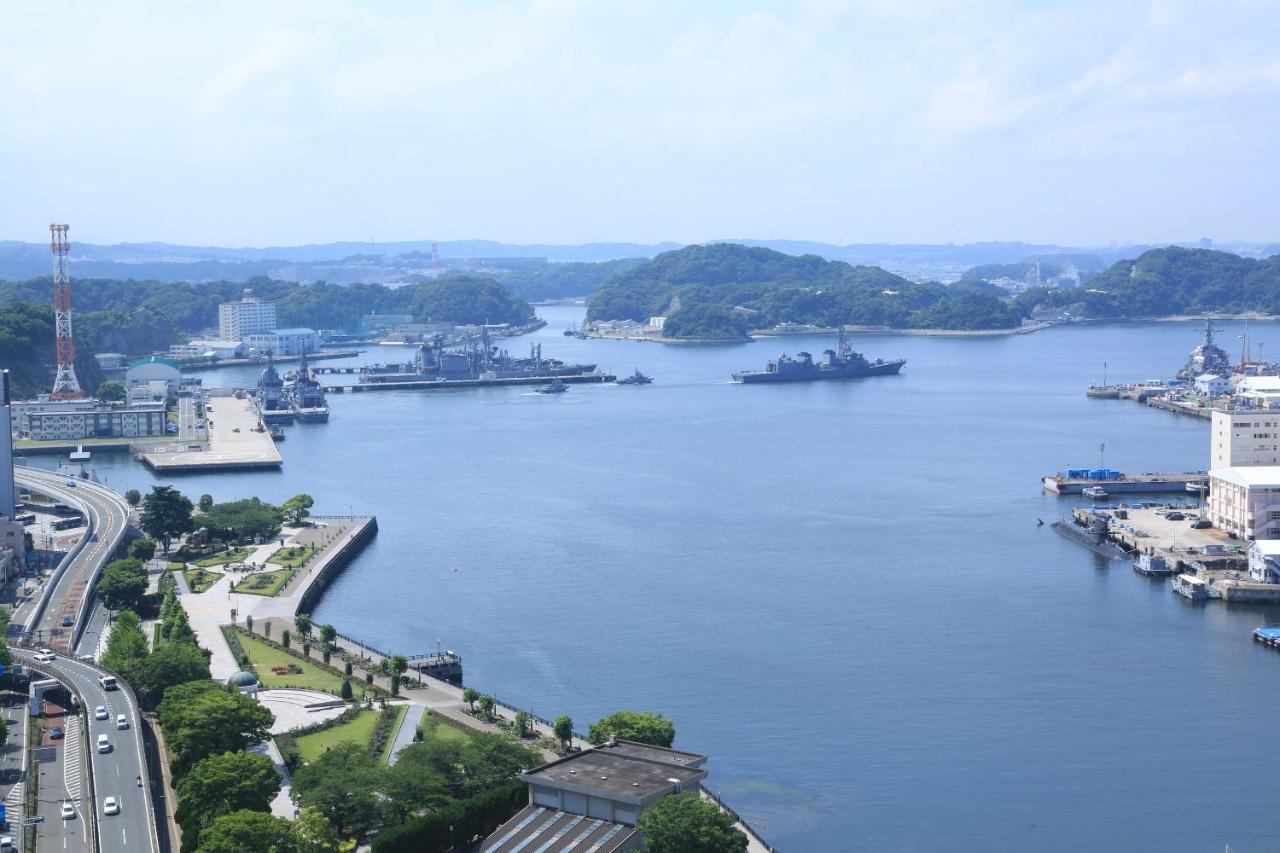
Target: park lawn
<point>294,557</point>
<point>435,727</point>
<point>357,730</point>
<point>264,583</point>
<point>263,656</point>
<point>395,727</point>
<point>231,555</point>
<point>199,580</point>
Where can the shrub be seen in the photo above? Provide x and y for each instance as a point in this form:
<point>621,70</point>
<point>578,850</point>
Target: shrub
<point>345,692</point>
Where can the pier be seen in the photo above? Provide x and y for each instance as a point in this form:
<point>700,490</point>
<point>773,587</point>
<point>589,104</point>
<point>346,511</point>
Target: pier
<point>442,384</point>
<point>237,442</point>
<point>1128,484</point>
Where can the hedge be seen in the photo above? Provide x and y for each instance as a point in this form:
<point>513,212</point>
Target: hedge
<point>470,818</point>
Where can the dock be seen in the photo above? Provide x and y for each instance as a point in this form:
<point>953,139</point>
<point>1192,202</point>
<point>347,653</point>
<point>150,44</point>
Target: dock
<point>446,384</point>
<point>1128,484</point>
<point>237,442</point>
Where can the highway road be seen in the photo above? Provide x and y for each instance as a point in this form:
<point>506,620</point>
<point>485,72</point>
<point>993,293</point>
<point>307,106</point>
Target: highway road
<point>114,773</point>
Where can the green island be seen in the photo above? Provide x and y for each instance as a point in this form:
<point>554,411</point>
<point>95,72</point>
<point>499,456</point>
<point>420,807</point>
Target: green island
<point>266,584</point>
<point>231,555</point>
<point>357,730</point>
<point>200,580</point>
<point>294,557</point>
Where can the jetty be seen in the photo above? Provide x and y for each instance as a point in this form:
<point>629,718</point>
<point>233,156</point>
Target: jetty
<point>238,441</point>
<point>446,384</point>
<point>1075,481</point>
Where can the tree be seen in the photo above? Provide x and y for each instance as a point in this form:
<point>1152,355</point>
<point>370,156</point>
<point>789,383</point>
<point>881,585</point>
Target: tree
<point>221,784</point>
<point>248,622</point>
<point>201,718</point>
<point>465,768</point>
<point>246,830</point>
<point>414,784</point>
<point>243,519</point>
<point>122,584</point>
<point>641,726</point>
<point>486,703</point>
<point>285,638</point>
<point>328,635</point>
<point>313,833</point>
<point>126,644</point>
<point>166,513</point>
<point>522,724</point>
<point>112,392</point>
<point>563,728</point>
<point>171,664</point>
<point>470,695</point>
<point>343,784</point>
<point>142,549</point>
<point>686,823</point>
<point>133,497</point>
<point>399,665</point>
<point>302,622</point>
<point>298,508</point>
<point>345,691</point>
<point>206,501</point>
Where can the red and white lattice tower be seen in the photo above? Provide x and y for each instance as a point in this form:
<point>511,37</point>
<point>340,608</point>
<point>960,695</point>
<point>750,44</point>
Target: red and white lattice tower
<point>65,385</point>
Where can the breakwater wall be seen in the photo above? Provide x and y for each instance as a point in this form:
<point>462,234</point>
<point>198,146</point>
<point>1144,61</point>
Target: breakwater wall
<point>336,563</point>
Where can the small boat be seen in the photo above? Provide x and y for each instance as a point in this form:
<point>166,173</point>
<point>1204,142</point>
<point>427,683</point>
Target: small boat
<point>1197,488</point>
<point>556,387</point>
<point>1096,492</point>
<point>1152,565</point>
<point>1192,587</point>
<point>636,378</point>
<point>277,434</point>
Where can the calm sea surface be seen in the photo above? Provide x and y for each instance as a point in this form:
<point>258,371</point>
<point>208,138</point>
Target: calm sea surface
<point>837,590</point>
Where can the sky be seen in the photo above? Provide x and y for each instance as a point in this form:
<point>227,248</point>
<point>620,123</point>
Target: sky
<point>570,121</point>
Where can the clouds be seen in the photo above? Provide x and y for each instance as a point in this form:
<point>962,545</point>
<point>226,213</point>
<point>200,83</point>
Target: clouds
<point>573,120</point>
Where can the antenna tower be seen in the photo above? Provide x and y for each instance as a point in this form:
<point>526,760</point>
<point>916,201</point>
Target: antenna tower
<point>65,385</point>
<point>435,260</point>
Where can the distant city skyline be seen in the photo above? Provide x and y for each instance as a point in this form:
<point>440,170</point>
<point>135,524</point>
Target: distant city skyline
<point>573,121</point>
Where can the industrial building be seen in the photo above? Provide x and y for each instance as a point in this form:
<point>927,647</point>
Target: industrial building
<point>238,320</point>
<point>156,368</point>
<point>1241,437</point>
<point>47,419</point>
<point>206,348</point>
<point>1245,500</point>
<point>284,342</point>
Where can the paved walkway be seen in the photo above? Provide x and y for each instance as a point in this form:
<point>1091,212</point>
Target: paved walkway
<point>291,711</point>
<point>408,726</point>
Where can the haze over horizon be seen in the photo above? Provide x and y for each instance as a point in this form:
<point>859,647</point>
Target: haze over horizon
<point>570,121</point>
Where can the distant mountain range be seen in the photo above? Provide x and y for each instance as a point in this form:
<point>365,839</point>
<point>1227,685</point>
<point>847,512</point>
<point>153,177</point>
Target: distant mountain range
<point>348,262</point>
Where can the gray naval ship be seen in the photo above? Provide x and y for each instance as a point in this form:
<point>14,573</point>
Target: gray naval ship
<point>839,363</point>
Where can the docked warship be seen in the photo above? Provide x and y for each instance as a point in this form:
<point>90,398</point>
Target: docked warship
<point>273,403</point>
<point>1207,358</point>
<point>479,359</point>
<point>306,394</point>
<point>840,363</point>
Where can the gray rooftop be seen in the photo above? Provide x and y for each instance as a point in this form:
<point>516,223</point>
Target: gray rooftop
<point>625,771</point>
<point>538,828</point>
<point>635,749</point>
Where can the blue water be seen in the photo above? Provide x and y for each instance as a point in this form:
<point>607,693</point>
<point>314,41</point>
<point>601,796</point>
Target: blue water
<point>838,590</point>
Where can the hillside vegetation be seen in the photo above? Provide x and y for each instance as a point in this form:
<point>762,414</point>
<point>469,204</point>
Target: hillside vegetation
<point>722,289</point>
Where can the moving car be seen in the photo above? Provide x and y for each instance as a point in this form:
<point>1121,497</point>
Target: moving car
<point>100,712</point>
<point>108,682</point>
<point>122,722</point>
<point>110,806</point>
<point>104,745</point>
<point>68,811</point>
<point>45,656</point>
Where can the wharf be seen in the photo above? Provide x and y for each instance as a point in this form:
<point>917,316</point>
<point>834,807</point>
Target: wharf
<point>441,384</point>
<point>1128,484</point>
<point>196,364</point>
<point>235,443</point>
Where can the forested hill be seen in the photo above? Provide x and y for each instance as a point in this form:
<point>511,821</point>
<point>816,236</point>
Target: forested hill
<point>26,350</point>
<point>1169,282</point>
<point>724,289</point>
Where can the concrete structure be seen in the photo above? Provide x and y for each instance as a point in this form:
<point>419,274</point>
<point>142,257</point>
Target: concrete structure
<point>657,323</point>
<point>112,360</point>
<point>47,419</point>
<point>284,342</point>
<point>237,441</point>
<point>156,368</point>
<point>598,794</point>
<point>1264,561</point>
<point>1245,437</point>
<point>238,320</point>
<point>154,391</point>
<point>8,493</point>
<point>245,682</point>
<point>1246,501</point>
<point>1212,385</point>
<point>205,348</point>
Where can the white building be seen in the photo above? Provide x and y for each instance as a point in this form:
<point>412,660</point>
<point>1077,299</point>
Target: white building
<point>1244,437</point>
<point>1260,391</point>
<point>48,420</point>
<point>1245,501</point>
<point>112,360</point>
<point>238,320</point>
<point>284,342</point>
<point>8,492</point>
<point>1212,385</point>
<point>210,349</point>
<point>157,368</point>
<point>1264,561</point>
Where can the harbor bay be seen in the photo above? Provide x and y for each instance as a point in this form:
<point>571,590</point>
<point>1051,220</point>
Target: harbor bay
<point>837,589</point>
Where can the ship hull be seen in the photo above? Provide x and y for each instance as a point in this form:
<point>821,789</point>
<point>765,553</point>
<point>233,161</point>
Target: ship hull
<point>888,368</point>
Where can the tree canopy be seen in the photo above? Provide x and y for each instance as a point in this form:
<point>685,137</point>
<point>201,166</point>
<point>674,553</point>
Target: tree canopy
<point>202,718</point>
<point>640,726</point>
<point>220,784</point>
<point>245,830</point>
<point>244,519</point>
<point>298,507</point>
<point>122,583</point>
<point>686,823</point>
<point>166,513</point>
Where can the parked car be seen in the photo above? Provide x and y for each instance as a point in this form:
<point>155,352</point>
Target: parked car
<point>1175,516</point>
<point>1201,524</point>
<point>56,732</point>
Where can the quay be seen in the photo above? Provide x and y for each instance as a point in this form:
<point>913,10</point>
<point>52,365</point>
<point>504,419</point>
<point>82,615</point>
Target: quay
<point>190,364</point>
<point>1151,483</point>
<point>237,442</point>
<point>441,384</point>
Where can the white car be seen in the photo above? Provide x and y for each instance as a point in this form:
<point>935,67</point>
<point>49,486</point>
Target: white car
<point>68,811</point>
<point>6,842</point>
<point>100,712</point>
<point>45,657</point>
<point>122,722</point>
<point>104,745</point>
<point>110,806</point>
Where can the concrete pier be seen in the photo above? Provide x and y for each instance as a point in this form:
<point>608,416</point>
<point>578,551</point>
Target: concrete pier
<point>440,384</point>
<point>237,442</point>
<point>1129,484</point>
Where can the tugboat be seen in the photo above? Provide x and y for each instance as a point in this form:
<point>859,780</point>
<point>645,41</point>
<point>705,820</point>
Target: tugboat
<point>556,387</point>
<point>1096,492</point>
<point>636,378</point>
<point>840,363</point>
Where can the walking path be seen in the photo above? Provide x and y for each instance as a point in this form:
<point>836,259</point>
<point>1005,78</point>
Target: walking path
<point>408,727</point>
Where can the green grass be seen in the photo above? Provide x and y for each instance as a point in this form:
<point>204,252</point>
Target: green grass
<point>264,583</point>
<point>292,558</point>
<point>313,676</point>
<point>358,730</point>
<point>176,567</point>
<point>231,555</point>
<point>199,580</point>
<point>391,732</point>
<point>434,727</point>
